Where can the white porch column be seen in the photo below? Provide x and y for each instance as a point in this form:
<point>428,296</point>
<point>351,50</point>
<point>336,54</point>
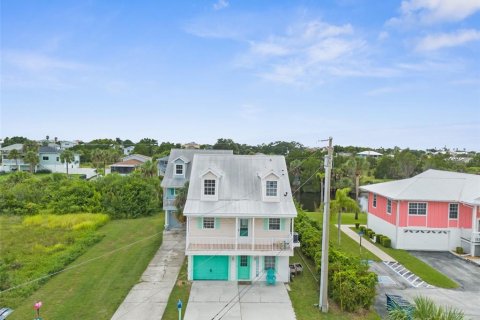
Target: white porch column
<point>236,233</point>
<point>187,238</point>
<point>253,233</point>
<point>166,219</point>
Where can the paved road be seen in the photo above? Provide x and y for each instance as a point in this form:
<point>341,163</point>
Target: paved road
<point>365,243</point>
<point>147,299</point>
<point>464,298</point>
<point>229,301</point>
<point>467,275</point>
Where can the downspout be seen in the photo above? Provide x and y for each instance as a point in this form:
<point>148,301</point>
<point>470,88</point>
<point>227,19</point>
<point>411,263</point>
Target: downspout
<point>397,223</point>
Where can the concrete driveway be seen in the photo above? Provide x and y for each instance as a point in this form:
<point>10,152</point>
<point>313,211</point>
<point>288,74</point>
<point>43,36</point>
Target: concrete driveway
<point>228,300</point>
<point>464,298</point>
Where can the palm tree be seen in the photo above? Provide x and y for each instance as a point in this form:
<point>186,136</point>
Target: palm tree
<point>343,203</point>
<point>355,168</point>
<point>149,169</point>
<point>180,200</point>
<point>30,145</point>
<point>67,157</point>
<point>32,158</point>
<point>425,309</point>
<point>14,154</point>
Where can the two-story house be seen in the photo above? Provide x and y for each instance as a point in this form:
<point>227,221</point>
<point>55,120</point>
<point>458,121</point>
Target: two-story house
<point>49,158</point>
<point>175,175</point>
<point>9,165</point>
<point>435,211</point>
<point>240,216</point>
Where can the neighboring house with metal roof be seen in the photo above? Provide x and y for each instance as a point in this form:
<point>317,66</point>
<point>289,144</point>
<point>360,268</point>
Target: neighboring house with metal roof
<point>162,165</point>
<point>240,215</point>
<point>176,174</point>
<point>128,164</point>
<point>434,211</point>
<point>9,165</point>
<point>49,157</point>
<point>369,154</point>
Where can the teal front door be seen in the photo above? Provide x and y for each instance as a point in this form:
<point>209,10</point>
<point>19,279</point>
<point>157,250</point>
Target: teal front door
<point>210,267</point>
<point>243,265</point>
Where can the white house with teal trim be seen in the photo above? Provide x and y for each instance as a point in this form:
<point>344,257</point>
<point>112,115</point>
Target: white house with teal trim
<point>176,172</point>
<point>240,215</point>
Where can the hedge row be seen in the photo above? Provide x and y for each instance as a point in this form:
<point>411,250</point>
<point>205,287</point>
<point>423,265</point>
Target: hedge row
<point>351,285</point>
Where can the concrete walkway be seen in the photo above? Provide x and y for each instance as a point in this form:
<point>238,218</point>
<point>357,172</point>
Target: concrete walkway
<point>147,299</point>
<point>365,243</point>
<point>228,300</point>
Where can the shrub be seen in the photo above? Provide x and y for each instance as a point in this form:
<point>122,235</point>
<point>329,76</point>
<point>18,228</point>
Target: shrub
<point>372,235</point>
<point>459,250</point>
<point>357,225</point>
<point>386,242</point>
<point>362,229</point>
<point>379,238</point>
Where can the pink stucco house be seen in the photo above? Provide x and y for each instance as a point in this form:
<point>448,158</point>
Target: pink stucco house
<point>435,211</point>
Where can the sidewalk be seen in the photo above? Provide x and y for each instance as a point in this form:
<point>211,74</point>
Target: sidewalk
<point>147,299</point>
<point>365,243</point>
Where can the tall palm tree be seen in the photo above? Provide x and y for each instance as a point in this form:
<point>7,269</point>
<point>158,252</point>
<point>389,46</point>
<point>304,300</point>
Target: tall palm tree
<point>343,203</point>
<point>32,158</point>
<point>67,157</point>
<point>180,200</point>
<point>30,145</point>
<point>14,155</point>
<point>149,169</point>
<point>355,168</point>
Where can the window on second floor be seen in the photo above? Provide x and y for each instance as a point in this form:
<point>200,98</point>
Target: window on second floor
<point>374,204</point>
<point>389,206</point>
<point>453,211</point>
<point>274,224</point>
<point>44,158</point>
<point>208,223</point>
<point>271,188</point>
<point>417,208</point>
<point>179,169</point>
<point>209,187</point>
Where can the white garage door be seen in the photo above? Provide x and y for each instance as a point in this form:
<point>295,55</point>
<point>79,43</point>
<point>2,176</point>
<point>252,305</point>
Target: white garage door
<point>428,240</point>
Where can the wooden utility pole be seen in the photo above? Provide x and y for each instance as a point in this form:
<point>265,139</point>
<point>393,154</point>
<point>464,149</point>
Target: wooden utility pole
<point>323,301</point>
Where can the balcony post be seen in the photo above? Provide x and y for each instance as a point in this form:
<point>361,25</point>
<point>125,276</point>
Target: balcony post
<point>237,230</point>
<point>253,233</point>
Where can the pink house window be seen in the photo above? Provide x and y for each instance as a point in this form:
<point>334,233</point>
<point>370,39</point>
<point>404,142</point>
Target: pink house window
<point>453,211</point>
<point>374,204</point>
<point>389,206</point>
<point>417,208</point>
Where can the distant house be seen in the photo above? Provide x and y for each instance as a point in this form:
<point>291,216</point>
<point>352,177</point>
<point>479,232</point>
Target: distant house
<point>369,154</point>
<point>435,211</point>
<point>128,150</point>
<point>177,173</point>
<point>191,145</point>
<point>9,165</point>
<point>162,165</point>
<point>240,214</point>
<point>129,164</point>
<point>67,144</point>
<point>49,157</point>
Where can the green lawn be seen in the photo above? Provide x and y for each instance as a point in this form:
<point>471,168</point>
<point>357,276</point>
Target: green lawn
<point>305,294</point>
<point>95,289</point>
<point>181,291</point>
<point>347,244</point>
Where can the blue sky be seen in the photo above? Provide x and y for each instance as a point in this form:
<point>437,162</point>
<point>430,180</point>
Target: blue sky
<point>370,73</point>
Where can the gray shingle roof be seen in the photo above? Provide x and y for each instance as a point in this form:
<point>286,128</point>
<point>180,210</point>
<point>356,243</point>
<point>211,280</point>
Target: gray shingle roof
<point>47,149</point>
<point>240,186</point>
<point>169,181</point>
<point>433,185</point>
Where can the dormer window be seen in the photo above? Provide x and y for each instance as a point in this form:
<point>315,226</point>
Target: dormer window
<point>271,188</point>
<point>179,169</point>
<point>209,187</point>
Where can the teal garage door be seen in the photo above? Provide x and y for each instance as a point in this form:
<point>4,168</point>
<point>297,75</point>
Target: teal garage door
<point>210,267</point>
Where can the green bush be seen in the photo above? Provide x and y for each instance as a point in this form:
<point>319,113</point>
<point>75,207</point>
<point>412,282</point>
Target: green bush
<point>372,235</point>
<point>386,242</point>
<point>379,238</point>
<point>459,250</point>
<point>351,284</point>
<point>362,229</point>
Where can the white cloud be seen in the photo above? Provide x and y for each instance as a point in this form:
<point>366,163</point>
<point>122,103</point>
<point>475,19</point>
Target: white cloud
<point>434,11</point>
<point>38,62</point>
<point>383,35</point>
<point>445,40</point>
<point>220,4</point>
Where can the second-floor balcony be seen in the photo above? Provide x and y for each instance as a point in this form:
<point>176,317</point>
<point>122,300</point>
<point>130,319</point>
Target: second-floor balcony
<point>200,243</point>
<point>169,202</point>
<point>473,237</point>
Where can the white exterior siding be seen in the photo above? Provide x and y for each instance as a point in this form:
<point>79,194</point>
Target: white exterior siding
<point>382,227</point>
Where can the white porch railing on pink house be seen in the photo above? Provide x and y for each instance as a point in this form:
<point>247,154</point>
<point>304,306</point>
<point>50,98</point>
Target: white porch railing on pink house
<point>476,237</point>
<point>232,243</point>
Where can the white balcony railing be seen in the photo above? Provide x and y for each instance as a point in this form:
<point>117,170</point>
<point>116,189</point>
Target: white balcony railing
<point>476,237</point>
<point>168,202</point>
<point>232,243</point>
